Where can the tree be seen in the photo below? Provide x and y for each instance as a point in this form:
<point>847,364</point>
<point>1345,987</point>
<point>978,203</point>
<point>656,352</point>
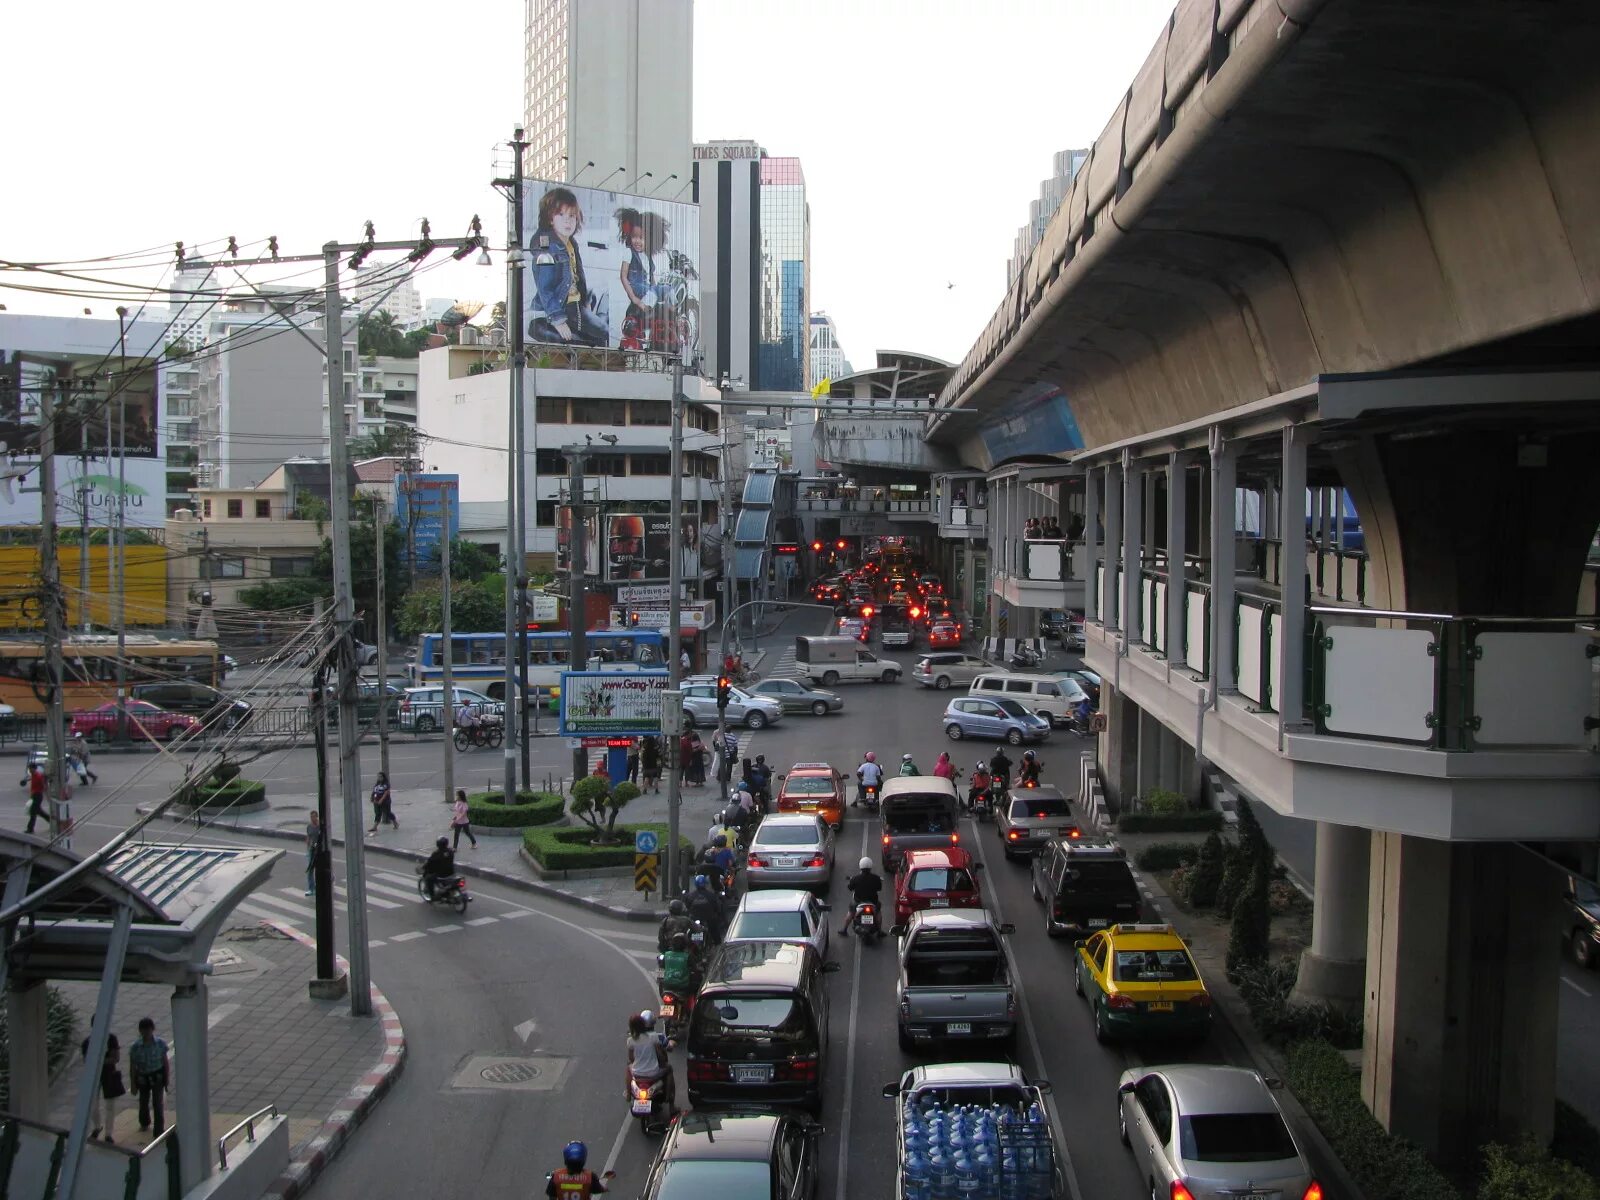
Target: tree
<point>1251,930</point>
<point>1207,876</point>
<point>392,441</point>
<point>275,595</point>
<point>474,608</point>
<point>590,797</point>
<point>471,562</point>
<point>380,333</point>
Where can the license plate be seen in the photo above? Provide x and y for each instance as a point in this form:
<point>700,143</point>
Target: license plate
<point>698,937</point>
<point>1097,923</point>
<point>752,1074</point>
<point>939,903</point>
<point>668,1010</point>
<point>640,1108</point>
<point>956,1027</point>
<point>783,861</point>
<point>1160,1006</point>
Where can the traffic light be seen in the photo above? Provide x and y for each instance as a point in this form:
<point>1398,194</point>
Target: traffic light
<point>816,547</point>
<point>840,544</point>
<point>633,620</point>
<point>724,688</point>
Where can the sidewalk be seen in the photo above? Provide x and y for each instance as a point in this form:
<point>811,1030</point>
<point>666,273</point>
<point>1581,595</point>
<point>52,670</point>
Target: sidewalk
<point>269,1043</point>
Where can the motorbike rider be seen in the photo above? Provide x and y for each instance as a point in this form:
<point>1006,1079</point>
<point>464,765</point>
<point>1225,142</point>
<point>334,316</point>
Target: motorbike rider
<point>865,888</point>
<point>678,965</point>
<point>647,1055</point>
<point>868,774</point>
<point>705,906</point>
<point>944,768</point>
<point>761,780</point>
<point>726,826</point>
<point>1028,774</point>
<point>441,864</point>
<point>675,922</point>
<point>980,783</point>
<point>723,859</point>
<point>907,767</point>
<point>573,1181</point>
<point>1000,769</point>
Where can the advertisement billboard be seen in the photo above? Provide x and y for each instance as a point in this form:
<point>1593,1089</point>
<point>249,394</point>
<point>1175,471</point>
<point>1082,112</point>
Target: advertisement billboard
<point>590,519</point>
<point>420,508</point>
<point>638,546</point>
<point>606,269</point>
<point>611,702</point>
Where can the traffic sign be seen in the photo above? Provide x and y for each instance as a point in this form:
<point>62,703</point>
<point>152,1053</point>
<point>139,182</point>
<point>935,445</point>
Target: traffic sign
<point>646,842</point>
<point>645,869</point>
<point>1097,723</point>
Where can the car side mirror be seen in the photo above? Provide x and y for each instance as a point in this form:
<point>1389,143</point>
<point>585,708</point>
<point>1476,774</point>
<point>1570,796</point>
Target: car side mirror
<point>825,907</point>
<point>891,1090</point>
<point>898,930</point>
<point>1126,1089</point>
<point>1044,1086</point>
<point>980,866</point>
<point>1007,927</point>
<point>816,1130</point>
<point>829,967</point>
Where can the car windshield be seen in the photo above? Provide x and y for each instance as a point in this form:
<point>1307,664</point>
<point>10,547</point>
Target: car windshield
<point>808,785</point>
<point>787,835</point>
<point>769,1016</point>
<point>1236,1137</point>
<point>1011,708</point>
<point>940,879</point>
<point>1153,966</point>
<point>1022,809</point>
<point>919,819</point>
<point>767,925</point>
<point>692,1179</point>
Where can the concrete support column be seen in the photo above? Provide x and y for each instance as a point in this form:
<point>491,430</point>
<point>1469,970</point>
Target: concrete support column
<point>1133,476</point>
<point>1461,1003</point>
<point>1150,731</point>
<point>1334,969</point>
<point>1170,777</point>
<point>1224,544</point>
<point>1114,496</point>
<point>1290,648</point>
<point>1177,547</point>
<point>191,1077</point>
<point>26,1022</point>
<point>1091,541</point>
<point>1119,748</point>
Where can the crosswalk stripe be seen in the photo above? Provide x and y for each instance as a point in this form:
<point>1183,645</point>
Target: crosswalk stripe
<point>398,893</point>
<point>256,910</point>
<point>407,937</point>
<point>483,920</point>
<point>391,877</point>
<point>277,902</point>
<point>374,943</point>
<point>372,901</point>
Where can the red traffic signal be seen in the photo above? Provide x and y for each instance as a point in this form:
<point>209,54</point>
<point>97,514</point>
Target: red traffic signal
<point>633,619</point>
<point>816,547</point>
<point>724,690</point>
<point>840,544</point>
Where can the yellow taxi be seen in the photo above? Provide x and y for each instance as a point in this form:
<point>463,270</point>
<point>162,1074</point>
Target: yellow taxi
<point>1141,982</point>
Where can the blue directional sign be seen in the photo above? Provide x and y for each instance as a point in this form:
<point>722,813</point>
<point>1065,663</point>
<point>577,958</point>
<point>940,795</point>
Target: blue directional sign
<point>645,842</point>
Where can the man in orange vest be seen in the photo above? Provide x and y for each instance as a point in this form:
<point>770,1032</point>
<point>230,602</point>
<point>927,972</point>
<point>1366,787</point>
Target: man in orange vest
<point>573,1182</point>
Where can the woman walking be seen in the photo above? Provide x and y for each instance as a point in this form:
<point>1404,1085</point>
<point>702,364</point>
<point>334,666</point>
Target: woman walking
<point>111,1087</point>
<point>686,756</point>
<point>697,761</point>
<point>633,761</point>
<point>650,763</point>
<point>382,803</point>
<point>461,821</point>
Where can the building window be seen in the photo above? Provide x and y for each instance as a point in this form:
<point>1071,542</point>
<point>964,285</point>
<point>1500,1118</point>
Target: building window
<point>551,410</point>
<point>599,412</point>
<point>550,462</point>
<point>284,567</point>
<point>613,465</point>
<point>545,513</point>
<point>235,509</point>
<point>205,508</point>
<point>220,567</point>
<point>649,412</point>
<point>263,509</point>
<point>650,464</point>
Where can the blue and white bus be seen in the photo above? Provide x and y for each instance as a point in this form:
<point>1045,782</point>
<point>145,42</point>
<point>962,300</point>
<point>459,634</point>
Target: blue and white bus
<point>478,660</point>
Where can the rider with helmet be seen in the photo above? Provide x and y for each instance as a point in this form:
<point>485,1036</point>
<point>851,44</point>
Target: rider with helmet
<point>573,1180</point>
<point>1000,769</point>
<point>705,906</point>
<point>865,888</point>
<point>907,766</point>
<point>675,922</point>
<point>1028,774</point>
<point>868,774</point>
<point>722,858</point>
<point>980,783</point>
<point>441,864</point>
<point>647,1054</point>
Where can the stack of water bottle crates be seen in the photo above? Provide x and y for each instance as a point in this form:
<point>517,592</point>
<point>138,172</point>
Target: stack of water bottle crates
<point>975,1152</point>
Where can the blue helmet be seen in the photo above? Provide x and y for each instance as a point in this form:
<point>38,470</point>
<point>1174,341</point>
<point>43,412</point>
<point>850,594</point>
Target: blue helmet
<point>741,786</point>
<point>575,1154</point>
<point>700,881</point>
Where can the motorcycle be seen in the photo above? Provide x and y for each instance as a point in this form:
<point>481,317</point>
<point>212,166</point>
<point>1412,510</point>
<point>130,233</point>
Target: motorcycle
<point>1078,721</point>
<point>1024,657</point>
<point>447,889</point>
<point>865,922</point>
<point>485,733</point>
<point>676,1008</point>
<point>869,797</point>
<point>982,806</point>
<point>650,1100</point>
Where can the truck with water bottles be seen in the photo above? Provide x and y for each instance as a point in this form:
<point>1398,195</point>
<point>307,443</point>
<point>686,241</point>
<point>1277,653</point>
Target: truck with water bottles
<point>975,1131</point>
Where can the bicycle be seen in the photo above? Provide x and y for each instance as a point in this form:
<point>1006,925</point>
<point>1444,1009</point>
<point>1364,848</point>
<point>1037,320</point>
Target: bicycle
<point>490,735</point>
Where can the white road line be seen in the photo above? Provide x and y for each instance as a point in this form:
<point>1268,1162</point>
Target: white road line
<point>483,920</point>
<point>1582,991</point>
<point>391,877</point>
<point>631,937</point>
<point>409,894</point>
<point>374,943</point>
<point>406,937</point>
<point>274,902</point>
<point>444,929</point>
<point>842,1180</point>
<point>256,910</point>
<point>1033,1037</point>
<point>641,955</point>
<point>372,901</point>
<point>514,914</point>
<point>220,1014</point>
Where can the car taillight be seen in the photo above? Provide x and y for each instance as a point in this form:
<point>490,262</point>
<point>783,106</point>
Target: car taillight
<point>1179,1192</point>
<point>1013,836</point>
<point>955,839</point>
<point>886,839</point>
<point>816,860</point>
<point>1313,1191</point>
<point>1200,1000</point>
<point>1119,1000</point>
<point>701,1071</point>
<point>798,1070</point>
<point>755,860</point>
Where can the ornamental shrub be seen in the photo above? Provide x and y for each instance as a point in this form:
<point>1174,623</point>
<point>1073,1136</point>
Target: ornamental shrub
<point>1252,924</point>
<point>1206,877</point>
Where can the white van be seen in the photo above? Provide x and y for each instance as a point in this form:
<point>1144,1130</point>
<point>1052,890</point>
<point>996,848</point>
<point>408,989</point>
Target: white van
<point>1051,696</point>
<point>831,660</point>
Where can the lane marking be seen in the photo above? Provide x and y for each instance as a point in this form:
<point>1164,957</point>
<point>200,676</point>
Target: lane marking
<point>407,937</point>
<point>411,895</point>
<point>277,902</point>
<point>483,920</point>
<point>374,943</point>
<point>372,901</point>
<point>514,914</point>
<point>444,929</point>
<point>1582,991</point>
<point>842,1178</point>
<point>220,1014</point>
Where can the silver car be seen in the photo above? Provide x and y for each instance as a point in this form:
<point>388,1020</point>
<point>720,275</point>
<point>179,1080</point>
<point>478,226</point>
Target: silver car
<point>753,712</point>
<point>1218,1131</point>
<point>792,850</point>
<point>1031,817</point>
<point>794,696</point>
<point>781,914</point>
<point>422,708</point>
<point>942,668</point>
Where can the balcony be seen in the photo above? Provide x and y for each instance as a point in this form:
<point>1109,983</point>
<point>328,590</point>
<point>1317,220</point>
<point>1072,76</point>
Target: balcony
<point>1040,572</point>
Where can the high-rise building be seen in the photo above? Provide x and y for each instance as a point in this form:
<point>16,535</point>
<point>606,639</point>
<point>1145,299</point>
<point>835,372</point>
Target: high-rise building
<point>1064,167</point>
<point>755,276</point>
<point>610,82</point>
<point>828,360</point>
<point>386,287</point>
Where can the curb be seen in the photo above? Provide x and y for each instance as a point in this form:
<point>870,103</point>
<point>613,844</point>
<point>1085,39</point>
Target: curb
<point>357,1106</point>
<point>472,871</point>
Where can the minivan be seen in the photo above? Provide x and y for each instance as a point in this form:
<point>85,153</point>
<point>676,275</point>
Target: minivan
<point>1053,697</point>
<point>760,1027</point>
<point>1084,886</point>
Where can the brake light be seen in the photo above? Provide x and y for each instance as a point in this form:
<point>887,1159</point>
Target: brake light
<point>701,1071</point>
<point>797,1070</point>
<point>755,860</point>
<point>817,861</point>
<point>955,839</point>
<point>1120,1001</point>
<point>461,885</point>
<point>1313,1191</point>
<point>886,839</point>
<point>1179,1192</point>
<point>1013,836</point>
<point>868,909</point>
<point>1200,1000</point>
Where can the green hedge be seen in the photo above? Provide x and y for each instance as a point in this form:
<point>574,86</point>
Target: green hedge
<point>1199,820</point>
<point>226,795</point>
<point>1163,856</point>
<point>567,848</point>
<point>489,810</point>
<point>1384,1167</point>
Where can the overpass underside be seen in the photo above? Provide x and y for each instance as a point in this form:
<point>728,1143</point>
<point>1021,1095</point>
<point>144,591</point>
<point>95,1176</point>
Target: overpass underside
<point>1351,246</point>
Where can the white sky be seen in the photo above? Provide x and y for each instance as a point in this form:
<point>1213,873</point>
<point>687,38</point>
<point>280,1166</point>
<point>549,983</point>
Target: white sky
<point>924,128</point>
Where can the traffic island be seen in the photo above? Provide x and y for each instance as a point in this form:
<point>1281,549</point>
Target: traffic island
<point>491,816</point>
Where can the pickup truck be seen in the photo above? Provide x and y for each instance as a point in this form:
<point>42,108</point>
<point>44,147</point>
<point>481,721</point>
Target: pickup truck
<point>955,980</point>
<point>1013,1119</point>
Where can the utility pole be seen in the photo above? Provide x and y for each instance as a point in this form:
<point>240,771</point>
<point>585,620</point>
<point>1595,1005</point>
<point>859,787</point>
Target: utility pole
<point>54,615</point>
<point>120,534</point>
<point>83,519</point>
<point>344,620</point>
<point>328,985</point>
<point>577,624</point>
<point>447,700</point>
<point>671,885</point>
<point>519,408</point>
<point>515,497</point>
<point>382,638</point>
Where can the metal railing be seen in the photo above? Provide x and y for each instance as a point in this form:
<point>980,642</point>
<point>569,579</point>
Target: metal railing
<point>249,1127</point>
<point>11,1128</point>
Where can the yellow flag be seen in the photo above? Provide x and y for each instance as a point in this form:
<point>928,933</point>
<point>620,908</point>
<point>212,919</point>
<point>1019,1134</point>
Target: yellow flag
<point>822,389</point>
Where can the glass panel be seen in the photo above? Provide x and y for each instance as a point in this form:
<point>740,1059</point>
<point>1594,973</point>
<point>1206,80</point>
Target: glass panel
<point>1532,689</point>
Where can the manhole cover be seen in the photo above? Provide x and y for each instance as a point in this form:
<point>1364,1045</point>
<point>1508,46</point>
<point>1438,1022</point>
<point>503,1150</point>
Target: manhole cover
<point>510,1072</point>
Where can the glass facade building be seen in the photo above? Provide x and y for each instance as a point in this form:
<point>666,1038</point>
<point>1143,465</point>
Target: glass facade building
<point>784,353</point>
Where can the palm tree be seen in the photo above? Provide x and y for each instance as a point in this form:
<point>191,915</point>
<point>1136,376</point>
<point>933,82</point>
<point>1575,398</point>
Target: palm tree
<point>380,334</point>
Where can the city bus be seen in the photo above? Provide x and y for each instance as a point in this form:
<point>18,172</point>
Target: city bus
<point>478,660</point>
<point>89,674</point>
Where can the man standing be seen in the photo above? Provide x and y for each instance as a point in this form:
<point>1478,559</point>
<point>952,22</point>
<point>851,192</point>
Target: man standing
<point>313,845</point>
<point>147,1063</point>
<point>36,786</point>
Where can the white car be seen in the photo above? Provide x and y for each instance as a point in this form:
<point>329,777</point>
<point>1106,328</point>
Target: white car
<point>780,914</point>
<point>790,850</point>
<point>753,712</point>
<point>422,708</point>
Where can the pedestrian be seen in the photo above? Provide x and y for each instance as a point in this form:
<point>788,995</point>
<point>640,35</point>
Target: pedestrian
<point>633,761</point>
<point>650,763</point>
<point>80,752</point>
<point>460,821</point>
<point>382,803</point>
<point>151,1071</point>
<point>111,1086</point>
<point>685,664</point>
<point>697,764</point>
<point>685,755</point>
<point>36,786</point>
<point>313,847</point>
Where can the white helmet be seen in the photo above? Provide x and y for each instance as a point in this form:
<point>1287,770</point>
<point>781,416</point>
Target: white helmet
<point>905,758</point>
<point>865,864</point>
<point>648,1017</point>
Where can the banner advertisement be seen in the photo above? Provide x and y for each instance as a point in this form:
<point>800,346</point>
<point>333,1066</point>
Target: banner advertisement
<point>591,539</point>
<point>610,270</point>
<point>611,702</point>
<point>638,546</point>
<point>420,504</point>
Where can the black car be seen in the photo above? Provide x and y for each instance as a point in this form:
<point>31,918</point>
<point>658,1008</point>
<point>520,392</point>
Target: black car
<point>1084,886</point>
<point>736,1156</point>
<point>210,707</point>
<point>1581,928</point>
<point>760,1027</point>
